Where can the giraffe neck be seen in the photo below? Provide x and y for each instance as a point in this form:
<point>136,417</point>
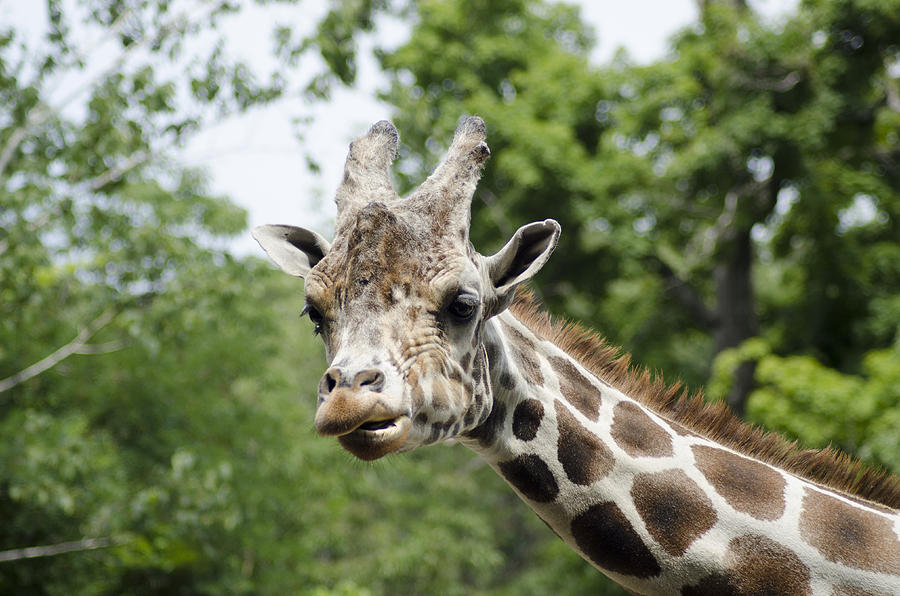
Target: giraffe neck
<point>661,509</point>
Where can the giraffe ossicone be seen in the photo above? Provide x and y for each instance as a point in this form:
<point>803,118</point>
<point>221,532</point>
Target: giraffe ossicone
<point>427,341</point>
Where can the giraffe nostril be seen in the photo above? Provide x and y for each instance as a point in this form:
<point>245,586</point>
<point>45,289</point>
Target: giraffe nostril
<point>330,380</point>
<point>371,379</point>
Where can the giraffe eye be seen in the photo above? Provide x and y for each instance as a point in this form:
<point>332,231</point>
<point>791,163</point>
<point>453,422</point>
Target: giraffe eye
<point>463,306</point>
<point>315,316</point>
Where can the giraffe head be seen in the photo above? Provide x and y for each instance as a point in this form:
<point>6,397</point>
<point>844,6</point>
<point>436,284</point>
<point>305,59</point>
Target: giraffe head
<point>400,296</point>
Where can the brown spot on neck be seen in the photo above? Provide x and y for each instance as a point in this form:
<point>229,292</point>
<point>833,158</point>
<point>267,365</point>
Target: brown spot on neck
<point>606,537</point>
<point>531,476</point>
<point>634,431</point>
<point>747,485</point>
<point>529,366</point>
<point>716,584</point>
<point>523,354</point>
<point>584,457</point>
<point>757,566</point>
<point>849,535</point>
<point>762,566</point>
<point>674,508</point>
<point>515,337</point>
<point>576,388</point>
<point>527,419</point>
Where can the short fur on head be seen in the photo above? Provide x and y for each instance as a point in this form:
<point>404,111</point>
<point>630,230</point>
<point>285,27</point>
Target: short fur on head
<point>400,296</point>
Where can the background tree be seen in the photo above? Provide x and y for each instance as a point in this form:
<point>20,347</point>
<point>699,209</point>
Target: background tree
<point>733,203</point>
<point>108,280</point>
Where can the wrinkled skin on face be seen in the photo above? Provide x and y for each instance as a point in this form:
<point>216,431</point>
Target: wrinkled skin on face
<point>400,318</point>
<point>401,298</point>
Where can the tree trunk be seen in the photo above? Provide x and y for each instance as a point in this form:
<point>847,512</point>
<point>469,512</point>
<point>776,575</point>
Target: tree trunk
<point>736,319</point>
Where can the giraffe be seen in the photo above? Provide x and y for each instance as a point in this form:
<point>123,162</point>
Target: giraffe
<point>428,341</point>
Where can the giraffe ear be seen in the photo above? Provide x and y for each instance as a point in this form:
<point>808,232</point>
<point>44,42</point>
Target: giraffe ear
<point>518,261</point>
<point>295,250</point>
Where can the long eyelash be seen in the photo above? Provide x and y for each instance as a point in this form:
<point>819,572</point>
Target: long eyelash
<point>317,327</point>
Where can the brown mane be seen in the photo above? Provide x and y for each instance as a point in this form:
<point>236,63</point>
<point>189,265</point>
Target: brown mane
<point>827,467</point>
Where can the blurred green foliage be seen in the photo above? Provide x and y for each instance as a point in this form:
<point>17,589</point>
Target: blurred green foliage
<point>857,413</point>
<point>756,166</point>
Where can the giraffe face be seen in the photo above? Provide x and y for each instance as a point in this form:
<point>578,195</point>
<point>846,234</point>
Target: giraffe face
<point>400,314</point>
<point>400,299</point>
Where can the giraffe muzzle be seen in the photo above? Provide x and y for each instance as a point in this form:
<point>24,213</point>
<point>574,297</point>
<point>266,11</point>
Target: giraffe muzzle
<point>346,410</point>
<point>354,409</point>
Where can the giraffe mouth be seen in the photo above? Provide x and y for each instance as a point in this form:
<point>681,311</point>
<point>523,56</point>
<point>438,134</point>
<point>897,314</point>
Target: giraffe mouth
<point>376,438</point>
<point>375,425</point>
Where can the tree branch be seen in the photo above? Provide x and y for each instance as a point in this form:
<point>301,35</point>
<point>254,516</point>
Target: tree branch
<point>35,117</point>
<point>78,345</point>
<point>104,348</point>
<point>783,85</point>
<point>33,552</point>
<point>136,159</point>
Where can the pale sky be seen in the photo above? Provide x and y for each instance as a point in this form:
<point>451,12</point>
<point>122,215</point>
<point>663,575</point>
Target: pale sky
<point>269,178</point>
<point>255,158</point>
<point>263,170</point>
